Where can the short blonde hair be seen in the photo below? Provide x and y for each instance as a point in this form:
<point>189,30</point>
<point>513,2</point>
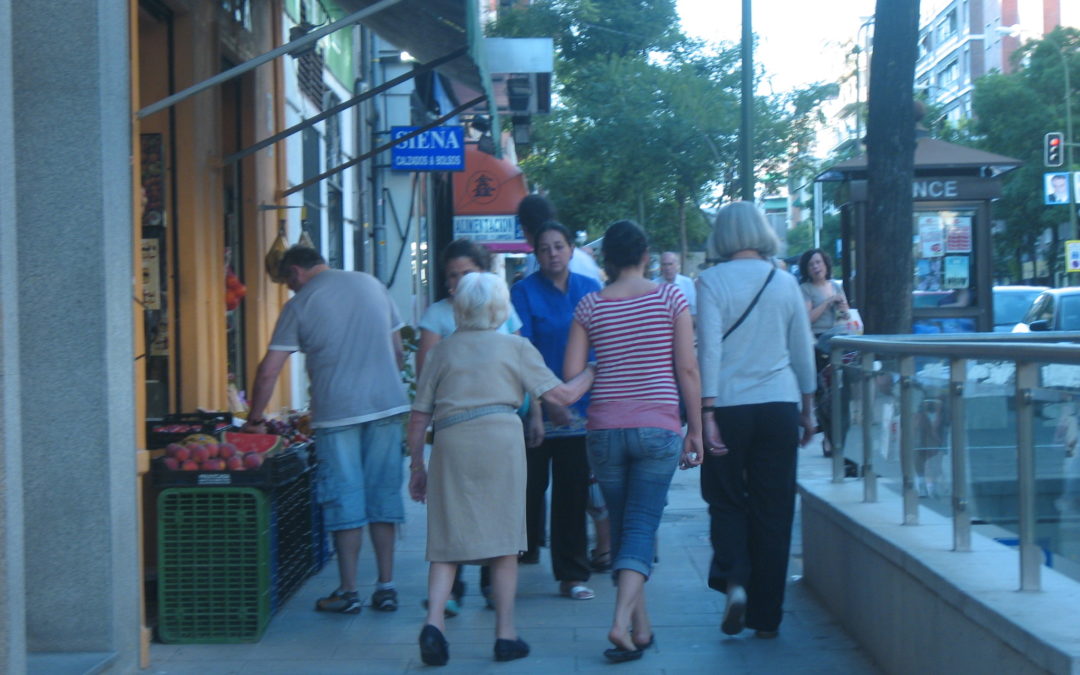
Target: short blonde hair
<point>740,226</point>
<point>481,302</point>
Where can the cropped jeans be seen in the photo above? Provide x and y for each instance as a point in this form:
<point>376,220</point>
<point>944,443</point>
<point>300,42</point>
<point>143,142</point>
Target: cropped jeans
<point>634,469</point>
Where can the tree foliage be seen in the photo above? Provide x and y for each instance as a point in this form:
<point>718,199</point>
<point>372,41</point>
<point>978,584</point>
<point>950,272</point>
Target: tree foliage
<point>1013,112</point>
<point>647,121</point>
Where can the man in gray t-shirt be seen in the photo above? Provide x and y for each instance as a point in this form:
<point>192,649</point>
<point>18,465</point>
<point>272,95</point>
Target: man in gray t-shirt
<point>347,327</point>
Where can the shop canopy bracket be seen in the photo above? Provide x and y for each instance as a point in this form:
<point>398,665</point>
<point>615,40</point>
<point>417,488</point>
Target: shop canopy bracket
<point>384,147</point>
<point>389,84</point>
<point>286,48</point>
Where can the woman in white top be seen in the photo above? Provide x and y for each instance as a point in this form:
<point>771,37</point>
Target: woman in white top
<point>757,366</point>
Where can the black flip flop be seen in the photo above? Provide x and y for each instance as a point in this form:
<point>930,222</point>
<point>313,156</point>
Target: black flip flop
<point>621,655</point>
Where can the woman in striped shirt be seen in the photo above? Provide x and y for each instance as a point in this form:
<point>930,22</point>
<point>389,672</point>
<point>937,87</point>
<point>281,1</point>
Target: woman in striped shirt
<point>644,340</point>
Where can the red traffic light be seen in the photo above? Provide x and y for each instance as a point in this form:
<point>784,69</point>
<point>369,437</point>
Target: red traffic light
<point>1052,143</point>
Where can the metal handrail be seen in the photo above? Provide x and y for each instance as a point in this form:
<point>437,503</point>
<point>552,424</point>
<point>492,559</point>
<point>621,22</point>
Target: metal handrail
<point>1027,351</point>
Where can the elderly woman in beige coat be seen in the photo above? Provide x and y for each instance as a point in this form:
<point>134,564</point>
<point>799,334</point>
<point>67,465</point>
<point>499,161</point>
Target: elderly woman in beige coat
<point>469,391</point>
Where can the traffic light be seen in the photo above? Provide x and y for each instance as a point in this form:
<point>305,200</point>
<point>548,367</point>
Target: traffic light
<point>1052,149</point>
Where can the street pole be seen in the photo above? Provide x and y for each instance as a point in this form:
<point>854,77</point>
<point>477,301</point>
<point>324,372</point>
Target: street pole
<point>746,139</point>
<point>1069,146</point>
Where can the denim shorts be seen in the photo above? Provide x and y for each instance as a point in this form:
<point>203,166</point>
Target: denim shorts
<point>634,469</point>
<point>359,474</point>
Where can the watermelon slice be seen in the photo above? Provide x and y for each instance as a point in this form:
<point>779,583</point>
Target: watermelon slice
<point>261,443</point>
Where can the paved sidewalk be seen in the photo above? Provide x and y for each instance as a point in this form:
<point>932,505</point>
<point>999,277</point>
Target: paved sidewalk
<point>566,636</point>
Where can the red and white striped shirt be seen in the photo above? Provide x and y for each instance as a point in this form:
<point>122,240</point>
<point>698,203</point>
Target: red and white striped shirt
<point>634,343</point>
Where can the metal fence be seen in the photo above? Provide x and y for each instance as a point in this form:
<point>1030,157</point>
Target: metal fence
<point>983,401</point>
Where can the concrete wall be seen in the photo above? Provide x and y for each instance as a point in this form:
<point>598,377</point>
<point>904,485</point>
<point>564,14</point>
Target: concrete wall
<point>917,606</point>
<point>66,401</point>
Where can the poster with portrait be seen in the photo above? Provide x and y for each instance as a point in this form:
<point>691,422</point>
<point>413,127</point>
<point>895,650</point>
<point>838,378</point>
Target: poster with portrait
<point>1056,187</point>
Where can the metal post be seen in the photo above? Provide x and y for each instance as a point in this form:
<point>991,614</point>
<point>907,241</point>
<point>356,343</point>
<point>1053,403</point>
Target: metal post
<point>746,135</point>
<point>869,479</point>
<point>1069,146</point>
<point>294,45</point>
<point>907,439</point>
<point>819,212</point>
<point>1027,378</point>
<point>958,450</point>
<point>837,421</point>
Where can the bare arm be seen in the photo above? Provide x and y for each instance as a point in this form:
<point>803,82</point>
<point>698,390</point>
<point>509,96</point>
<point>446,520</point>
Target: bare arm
<point>428,339</point>
<point>577,351</point>
<point>569,392</point>
<point>689,379</point>
<point>266,376</point>
<point>399,349</point>
<point>414,435</point>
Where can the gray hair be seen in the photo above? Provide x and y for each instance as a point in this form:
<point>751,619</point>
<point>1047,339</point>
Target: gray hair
<point>482,302</point>
<point>740,226</point>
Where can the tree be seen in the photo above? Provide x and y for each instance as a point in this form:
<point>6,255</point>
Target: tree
<point>1013,112</point>
<point>647,125</point>
<point>890,147</point>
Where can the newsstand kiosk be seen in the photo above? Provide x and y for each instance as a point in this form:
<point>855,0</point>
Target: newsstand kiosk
<point>952,189</point>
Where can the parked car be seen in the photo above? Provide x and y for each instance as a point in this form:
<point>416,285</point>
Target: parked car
<point>1011,303</point>
<point>1053,309</point>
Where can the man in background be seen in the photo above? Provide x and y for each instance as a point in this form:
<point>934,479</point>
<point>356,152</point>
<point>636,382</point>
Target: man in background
<point>670,266</point>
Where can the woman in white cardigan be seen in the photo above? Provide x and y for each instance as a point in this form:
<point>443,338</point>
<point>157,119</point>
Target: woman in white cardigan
<point>757,386</point>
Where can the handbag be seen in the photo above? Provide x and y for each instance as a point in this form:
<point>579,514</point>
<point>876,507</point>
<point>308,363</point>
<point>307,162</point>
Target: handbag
<point>753,302</point>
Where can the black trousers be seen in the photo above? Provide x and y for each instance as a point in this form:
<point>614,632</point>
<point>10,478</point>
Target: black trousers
<point>751,496</point>
<point>569,473</point>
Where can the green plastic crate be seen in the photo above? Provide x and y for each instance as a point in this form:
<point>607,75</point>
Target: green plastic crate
<point>213,564</point>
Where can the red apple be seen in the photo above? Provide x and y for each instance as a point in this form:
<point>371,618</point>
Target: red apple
<point>189,465</point>
<point>200,454</point>
<point>253,460</point>
<point>212,449</point>
<point>181,453</point>
<point>172,449</point>
<point>235,463</point>
<point>226,450</point>
<point>171,463</point>
<point>214,464</point>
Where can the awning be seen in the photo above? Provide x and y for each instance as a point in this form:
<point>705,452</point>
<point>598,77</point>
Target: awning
<point>932,157</point>
<point>486,197</point>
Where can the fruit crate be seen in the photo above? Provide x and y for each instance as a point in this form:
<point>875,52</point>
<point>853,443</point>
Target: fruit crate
<point>277,469</point>
<point>175,428</point>
<point>214,562</point>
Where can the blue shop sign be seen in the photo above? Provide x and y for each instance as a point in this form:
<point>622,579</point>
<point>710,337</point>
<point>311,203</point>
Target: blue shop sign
<point>437,149</point>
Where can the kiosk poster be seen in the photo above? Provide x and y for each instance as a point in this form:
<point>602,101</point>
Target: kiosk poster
<point>958,234</point>
<point>957,269</point>
<point>931,236</point>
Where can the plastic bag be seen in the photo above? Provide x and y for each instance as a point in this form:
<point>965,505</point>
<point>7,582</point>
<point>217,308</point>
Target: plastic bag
<point>274,256</point>
<point>854,322</point>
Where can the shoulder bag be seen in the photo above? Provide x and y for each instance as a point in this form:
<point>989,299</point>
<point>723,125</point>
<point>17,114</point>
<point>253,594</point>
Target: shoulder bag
<point>753,302</point>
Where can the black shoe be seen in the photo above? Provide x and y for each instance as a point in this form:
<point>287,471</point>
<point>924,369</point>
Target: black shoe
<point>620,655</point>
<point>434,649</point>
<point>530,557</point>
<point>508,650</point>
<point>384,600</point>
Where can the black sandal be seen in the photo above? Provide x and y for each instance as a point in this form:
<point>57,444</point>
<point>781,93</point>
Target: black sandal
<point>600,561</point>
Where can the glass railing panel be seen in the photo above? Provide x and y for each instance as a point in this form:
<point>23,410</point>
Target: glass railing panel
<point>932,420</point>
<point>990,412</point>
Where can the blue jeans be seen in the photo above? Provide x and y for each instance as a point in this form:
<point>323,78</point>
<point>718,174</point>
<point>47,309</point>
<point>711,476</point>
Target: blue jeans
<point>634,469</point>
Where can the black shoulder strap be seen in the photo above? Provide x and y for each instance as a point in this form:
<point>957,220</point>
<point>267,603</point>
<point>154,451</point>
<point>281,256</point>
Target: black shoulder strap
<point>753,302</point>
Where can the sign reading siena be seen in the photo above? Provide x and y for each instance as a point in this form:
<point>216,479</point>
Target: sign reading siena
<point>437,149</point>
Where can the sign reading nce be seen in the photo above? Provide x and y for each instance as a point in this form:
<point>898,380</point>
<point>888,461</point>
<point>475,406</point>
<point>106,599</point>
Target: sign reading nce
<point>437,149</point>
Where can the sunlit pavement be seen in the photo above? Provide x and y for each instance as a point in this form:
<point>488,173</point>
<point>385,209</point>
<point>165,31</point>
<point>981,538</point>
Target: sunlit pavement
<point>565,635</point>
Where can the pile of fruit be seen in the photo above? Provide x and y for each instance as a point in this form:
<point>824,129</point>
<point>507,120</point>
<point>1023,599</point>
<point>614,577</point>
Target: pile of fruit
<point>238,452</point>
<point>294,429</point>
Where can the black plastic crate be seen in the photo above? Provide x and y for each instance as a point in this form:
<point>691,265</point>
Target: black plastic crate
<point>175,428</point>
<point>293,560</point>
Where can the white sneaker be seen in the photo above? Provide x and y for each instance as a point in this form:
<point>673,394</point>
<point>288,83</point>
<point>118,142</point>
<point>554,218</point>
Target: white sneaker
<point>734,611</point>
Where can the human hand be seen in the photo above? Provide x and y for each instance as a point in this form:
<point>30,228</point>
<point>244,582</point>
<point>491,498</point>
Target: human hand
<point>258,427</point>
<point>809,425</point>
<point>534,431</point>
<point>711,432</point>
<point>692,452</point>
<point>418,485</point>
<point>558,414</point>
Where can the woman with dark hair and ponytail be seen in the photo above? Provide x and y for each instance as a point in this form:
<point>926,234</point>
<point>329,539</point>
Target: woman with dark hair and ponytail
<point>643,335</point>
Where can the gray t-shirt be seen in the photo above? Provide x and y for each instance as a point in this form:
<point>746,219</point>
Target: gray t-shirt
<point>343,322</point>
<point>816,296</point>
